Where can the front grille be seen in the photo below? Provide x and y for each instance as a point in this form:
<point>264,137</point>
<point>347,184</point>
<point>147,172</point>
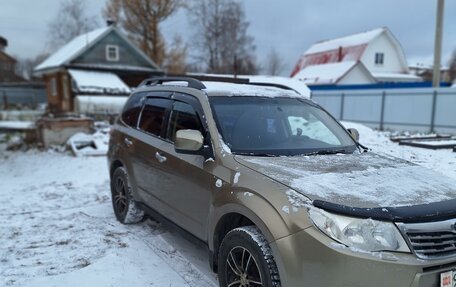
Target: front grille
<point>433,244</point>
<point>433,240</point>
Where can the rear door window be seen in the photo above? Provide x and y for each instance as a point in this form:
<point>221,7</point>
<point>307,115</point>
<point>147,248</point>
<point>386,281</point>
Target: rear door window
<point>154,115</point>
<point>132,108</point>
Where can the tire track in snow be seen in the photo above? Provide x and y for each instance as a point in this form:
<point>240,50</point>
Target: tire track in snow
<point>170,256</point>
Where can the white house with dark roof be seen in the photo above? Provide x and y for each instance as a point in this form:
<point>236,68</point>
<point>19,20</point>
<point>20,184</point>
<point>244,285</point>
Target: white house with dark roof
<point>102,62</point>
<point>377,50</point>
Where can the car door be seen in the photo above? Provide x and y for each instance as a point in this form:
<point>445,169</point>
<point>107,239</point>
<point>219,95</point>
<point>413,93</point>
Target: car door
<point>126,133</point>
<point>186,181</point>
<point>150,136</point>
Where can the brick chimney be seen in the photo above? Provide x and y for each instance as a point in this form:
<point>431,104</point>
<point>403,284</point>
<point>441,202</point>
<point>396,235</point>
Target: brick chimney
<point>3,43</point>
<point>340,54</point>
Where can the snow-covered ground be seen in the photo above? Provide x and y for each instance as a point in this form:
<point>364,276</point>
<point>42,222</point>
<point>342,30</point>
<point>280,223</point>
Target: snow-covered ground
<point>443,161</point>
<point>16,125</point>
<point>57,227</point>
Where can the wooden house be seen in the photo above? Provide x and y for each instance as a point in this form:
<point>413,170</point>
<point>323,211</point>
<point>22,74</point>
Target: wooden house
<point>7,65</point>
<point>102,62</point>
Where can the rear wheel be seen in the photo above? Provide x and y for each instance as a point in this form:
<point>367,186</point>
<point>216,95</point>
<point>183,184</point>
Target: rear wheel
<point>245,260</point>
<point>125,208</point>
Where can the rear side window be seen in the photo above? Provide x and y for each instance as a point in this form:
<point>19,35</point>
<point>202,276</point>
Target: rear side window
<point>183,117</point>
<point>153,115</point>
<point>132,109</point>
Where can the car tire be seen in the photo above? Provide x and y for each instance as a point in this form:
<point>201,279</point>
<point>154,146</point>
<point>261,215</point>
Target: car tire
<point>245,259</point>
<point>125,208</point>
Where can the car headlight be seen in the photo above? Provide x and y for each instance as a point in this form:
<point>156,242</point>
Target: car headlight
<point>362,234</point>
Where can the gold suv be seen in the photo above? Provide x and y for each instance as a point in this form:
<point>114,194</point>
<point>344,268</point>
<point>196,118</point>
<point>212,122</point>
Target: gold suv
<point>279,191</point>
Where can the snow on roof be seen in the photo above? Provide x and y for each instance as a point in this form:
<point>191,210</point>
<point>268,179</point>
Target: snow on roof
<point>325,74</point>
<point>232,89</point>
<point>72,49</point>
<point>98,82</point>
<point>397,76</point>
<point>419,65</point>
<point>121,67</point>
<point>347,41</point>
<point>100,104</point>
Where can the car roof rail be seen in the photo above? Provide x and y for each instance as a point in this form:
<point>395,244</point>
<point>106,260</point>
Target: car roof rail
<point>191,82</point>
<point>274,85</point>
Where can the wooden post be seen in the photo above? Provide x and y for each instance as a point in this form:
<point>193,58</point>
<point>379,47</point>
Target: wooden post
<point>342,103</point>
<point>382,112</point>
<point>434,106</point>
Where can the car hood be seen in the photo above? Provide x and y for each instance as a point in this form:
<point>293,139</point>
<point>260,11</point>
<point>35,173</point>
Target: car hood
<point>359,180</point>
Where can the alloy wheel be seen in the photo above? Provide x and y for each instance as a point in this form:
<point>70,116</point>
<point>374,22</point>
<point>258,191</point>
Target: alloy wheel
<point>241,269</point>
<point>120,198</point>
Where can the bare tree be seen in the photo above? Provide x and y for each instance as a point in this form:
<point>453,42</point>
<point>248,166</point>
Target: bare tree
<point>274,64</point>
<point>112,11</point>
<point>221,38</point>
<point>176,57</point>
<point>141,20</point>
<point>25,66</point>
<point>71,20</point>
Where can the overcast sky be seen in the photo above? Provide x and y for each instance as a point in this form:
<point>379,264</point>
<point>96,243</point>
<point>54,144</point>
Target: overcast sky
<point>289,26</point>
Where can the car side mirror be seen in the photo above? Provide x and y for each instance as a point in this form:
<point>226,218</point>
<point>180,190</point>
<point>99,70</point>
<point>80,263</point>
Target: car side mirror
<point>188,141</point>
<point>354,133</point>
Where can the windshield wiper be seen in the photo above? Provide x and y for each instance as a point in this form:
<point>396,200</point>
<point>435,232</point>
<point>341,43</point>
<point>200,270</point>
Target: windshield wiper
<point>327,151</point>
<point>255,154</point>
<point>363,147</point>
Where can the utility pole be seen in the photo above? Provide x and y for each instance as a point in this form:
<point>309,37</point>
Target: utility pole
<point>438,43</point>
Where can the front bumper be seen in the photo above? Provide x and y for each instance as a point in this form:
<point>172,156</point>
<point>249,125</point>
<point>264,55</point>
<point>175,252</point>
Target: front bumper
<point>310,258</point>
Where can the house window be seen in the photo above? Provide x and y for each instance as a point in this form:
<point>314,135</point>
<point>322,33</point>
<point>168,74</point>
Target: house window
<point>379,58</point>
<point>54,86</point>
<point>112,53</point>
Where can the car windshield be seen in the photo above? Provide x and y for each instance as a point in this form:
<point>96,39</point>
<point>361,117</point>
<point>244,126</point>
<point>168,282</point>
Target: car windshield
<point>278,127</point>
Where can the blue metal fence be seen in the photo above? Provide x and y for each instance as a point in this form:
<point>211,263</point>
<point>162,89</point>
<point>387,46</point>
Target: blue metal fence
<point>421,110</point>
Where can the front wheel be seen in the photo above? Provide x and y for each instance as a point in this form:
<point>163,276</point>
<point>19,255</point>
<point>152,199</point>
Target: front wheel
<point>245,260</point>
<point>125,208</point>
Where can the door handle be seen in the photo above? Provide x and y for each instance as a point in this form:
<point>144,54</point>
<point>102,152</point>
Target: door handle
<point>128,142</point>
<point>160,158</point>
